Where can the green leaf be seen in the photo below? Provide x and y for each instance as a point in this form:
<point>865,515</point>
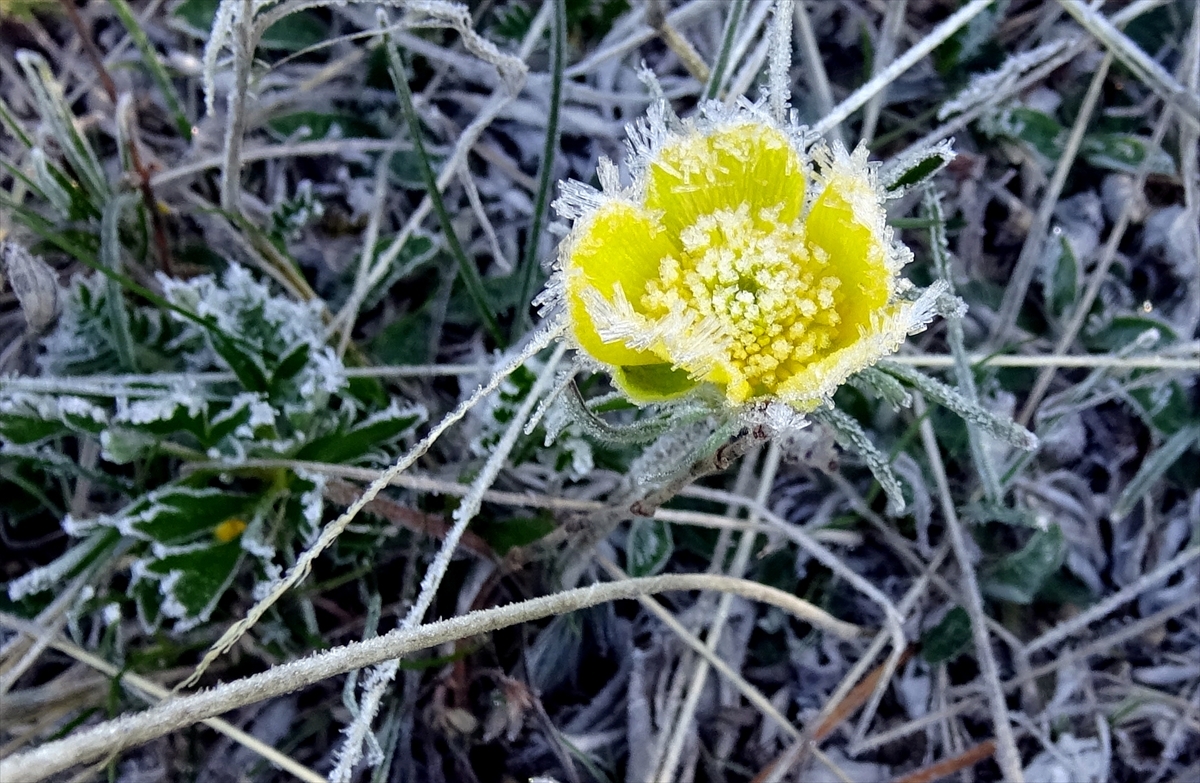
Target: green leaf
<point>175,514</point>
<point>1153,467</point>
<point>982,511</point>
<point>288,368</point>
<point>1121,332</point>
<point>1019,576</point>
<point>151,59</point>
<point>653,382</point>
<point>1060,276</point>
<point>292,33</point>
<point>468,272</point>
<point>1125,152</point>
<point>247,366</point>
<point>344,446</point>
<point>26,419</point>
<point>193,581</point>
<point>1166,408</point>
<point>503,535</point>
<point>512,21</point>
<point>322,125</point>
<point>913,170</point>
<point>148,600</point>
<point>418,251</point>
<point>197,13</point>
<point>295,32</point>
<point>26,430</point>
<point>648,547</point>
<point>1038,129</point>
<point>405,340</point>
<point>946,641</point>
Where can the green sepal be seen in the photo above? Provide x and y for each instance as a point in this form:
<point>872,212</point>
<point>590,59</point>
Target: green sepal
<point>653,382</point>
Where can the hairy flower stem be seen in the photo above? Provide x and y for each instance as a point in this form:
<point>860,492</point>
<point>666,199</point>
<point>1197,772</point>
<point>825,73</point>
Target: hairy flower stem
<point>584,531</point>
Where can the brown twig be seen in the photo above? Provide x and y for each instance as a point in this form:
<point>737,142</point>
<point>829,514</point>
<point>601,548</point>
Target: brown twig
<point>857,697</point>
<point>656,17</point>
<point>851,704</point>
<point>89,48</point>
<point>965,760</point>
<point>344,493</point>
<point>143,173</point>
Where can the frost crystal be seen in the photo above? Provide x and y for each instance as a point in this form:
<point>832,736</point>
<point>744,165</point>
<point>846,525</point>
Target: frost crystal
<point>984,88</point>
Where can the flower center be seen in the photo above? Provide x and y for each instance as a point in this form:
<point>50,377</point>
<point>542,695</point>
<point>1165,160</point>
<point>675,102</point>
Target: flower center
<point>772,299</point>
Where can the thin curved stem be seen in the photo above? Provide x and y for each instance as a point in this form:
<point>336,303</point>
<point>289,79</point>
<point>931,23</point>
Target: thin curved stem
<point>132,730</point>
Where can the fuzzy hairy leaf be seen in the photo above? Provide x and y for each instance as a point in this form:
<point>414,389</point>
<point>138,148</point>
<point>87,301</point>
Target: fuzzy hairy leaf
<point>1005,429</point>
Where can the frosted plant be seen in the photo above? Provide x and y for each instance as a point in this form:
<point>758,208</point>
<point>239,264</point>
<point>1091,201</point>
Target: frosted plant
<point>747,267</point>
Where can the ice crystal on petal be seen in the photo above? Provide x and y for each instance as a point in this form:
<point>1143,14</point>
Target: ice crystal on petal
<point>737,258</point>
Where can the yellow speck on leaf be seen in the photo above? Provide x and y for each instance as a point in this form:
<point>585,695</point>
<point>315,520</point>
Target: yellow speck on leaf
<point>229,530</point>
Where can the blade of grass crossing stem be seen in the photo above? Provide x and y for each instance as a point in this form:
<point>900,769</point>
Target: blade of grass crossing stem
<point>1152,469</point>
<point>717,75</point>
<point>110,256</point>
<point>470,274</point>
<point>530,264</point>
<point>157,71</point>
<point>8,121</point>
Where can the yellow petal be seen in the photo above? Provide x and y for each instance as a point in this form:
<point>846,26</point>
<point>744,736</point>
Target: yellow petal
<point>748,163</point>
<point>818,380</point>
<point>619,244</point>
<point>846,224</point>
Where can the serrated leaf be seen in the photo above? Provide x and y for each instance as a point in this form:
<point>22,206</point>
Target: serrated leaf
<point>193,581</point>
<point>174,514</point>
<point>649,546</point>
<point>343,446</point>
<point>1019,576</point>
<point>946,641</point>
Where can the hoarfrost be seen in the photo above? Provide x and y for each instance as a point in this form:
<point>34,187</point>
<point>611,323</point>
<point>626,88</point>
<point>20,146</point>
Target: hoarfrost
<point>1071,760</point>
<point>984,88</point>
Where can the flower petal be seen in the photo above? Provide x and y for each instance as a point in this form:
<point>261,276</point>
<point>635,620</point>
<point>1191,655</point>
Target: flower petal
<point>818,380</point>
<point>847,225</point>
<point>619,245</point>
<point>745,163</point>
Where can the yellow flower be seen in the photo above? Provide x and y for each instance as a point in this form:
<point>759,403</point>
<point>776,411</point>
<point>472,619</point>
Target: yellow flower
<point>735,260</point>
